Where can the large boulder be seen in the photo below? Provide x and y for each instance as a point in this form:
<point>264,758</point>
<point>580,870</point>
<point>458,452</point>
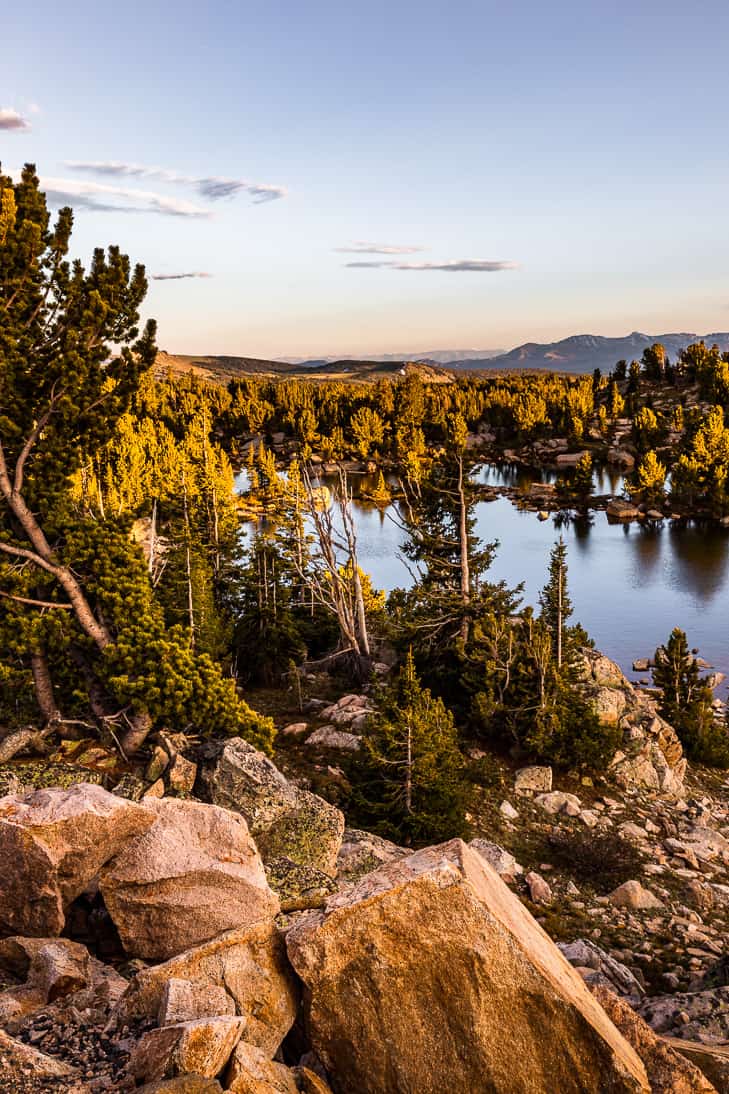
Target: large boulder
<point>249,963</point>
<point>53,843</point>
<point>429,974</point>
<point>669,1071</point>
<point>284,820</point>
<point>194,874</point>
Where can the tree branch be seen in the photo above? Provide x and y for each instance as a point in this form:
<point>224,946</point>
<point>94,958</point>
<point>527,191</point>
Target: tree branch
<point>36,603</point>
<point>31,441</point>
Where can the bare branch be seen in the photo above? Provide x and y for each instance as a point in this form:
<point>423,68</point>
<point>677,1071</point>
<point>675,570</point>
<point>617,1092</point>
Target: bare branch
<point>36,603</point>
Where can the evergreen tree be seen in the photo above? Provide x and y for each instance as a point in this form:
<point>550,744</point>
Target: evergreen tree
<point>436,615</point>
<point>71,361</point>
<point>686,702</point>
<point>554,600</point>
<point>409,781</point>
<point>648,482</point>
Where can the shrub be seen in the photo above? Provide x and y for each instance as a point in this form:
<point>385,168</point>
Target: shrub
<point>598,858</point>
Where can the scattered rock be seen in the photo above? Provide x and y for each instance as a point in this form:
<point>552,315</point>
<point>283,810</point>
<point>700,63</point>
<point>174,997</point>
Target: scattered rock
<point>539,890</point>
<point>631,894</point>
<point>538,779</point>
<point>558,801</point>
<point>296,729</point>
<point>507,810</point>
<point>331,737</point>
<point>23,1068</point>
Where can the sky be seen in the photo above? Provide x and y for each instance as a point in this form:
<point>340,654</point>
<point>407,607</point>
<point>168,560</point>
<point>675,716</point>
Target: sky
<point>324,178</point>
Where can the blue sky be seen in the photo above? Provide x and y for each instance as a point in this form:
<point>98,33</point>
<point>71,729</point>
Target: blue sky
<point>575,151</point>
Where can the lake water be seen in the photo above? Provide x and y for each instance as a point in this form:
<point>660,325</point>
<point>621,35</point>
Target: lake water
<point>629,584</point>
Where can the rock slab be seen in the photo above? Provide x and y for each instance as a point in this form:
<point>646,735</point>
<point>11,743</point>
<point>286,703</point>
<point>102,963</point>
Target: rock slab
<point>429,974</point>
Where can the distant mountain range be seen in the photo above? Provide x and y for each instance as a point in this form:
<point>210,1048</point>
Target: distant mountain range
<point>585,352</point>
<point>430,357</point>
<point>580,353</point>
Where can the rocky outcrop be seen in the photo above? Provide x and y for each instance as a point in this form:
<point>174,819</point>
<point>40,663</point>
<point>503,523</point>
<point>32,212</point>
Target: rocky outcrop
<point>650,755</point>
<point>53,843</point>
<point>249,964</point>
<point>670,1072</point>
<point>437,944</point>
<point>284,820</point>
<point>194,874</point>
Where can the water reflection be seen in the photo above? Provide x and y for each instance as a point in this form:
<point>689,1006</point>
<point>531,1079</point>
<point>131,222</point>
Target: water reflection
<point>630,584</point>
<point>699,557</point>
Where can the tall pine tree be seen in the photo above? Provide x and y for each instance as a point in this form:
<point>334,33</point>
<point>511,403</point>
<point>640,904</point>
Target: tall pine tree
<point>409,780</point>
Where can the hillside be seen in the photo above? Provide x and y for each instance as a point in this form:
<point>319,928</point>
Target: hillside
<point>221,369</point>
<point>585,352</point>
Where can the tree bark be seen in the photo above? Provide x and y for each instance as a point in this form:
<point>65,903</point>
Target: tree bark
<point>44,692</point>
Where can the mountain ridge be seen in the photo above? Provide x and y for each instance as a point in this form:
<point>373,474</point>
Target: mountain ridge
<point>578,353</point>
<point>585,352</point>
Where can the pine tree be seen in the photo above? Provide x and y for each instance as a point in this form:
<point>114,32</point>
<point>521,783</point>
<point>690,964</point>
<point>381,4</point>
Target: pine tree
<point>409,781</point>
<point>554,600</point>
<point>648,482</point>
<point>686,702</point>
<point>71,361</point>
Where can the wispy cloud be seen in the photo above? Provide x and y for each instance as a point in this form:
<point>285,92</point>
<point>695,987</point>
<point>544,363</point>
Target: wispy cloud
<point>180,276</point>
<point>458,265</point>
<point>212,187</point>
<point>362,247</point>
<point>10,119</point>
<point>102,198</point>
